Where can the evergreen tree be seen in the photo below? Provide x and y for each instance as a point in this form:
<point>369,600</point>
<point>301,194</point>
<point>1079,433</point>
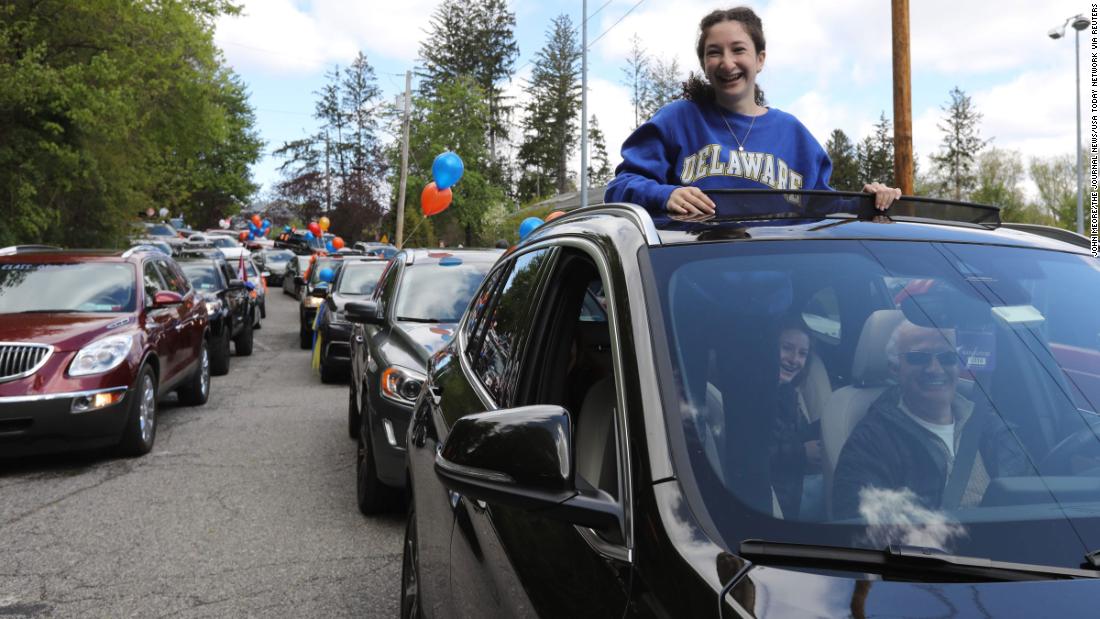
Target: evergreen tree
<point>845,163</point>
<point>635,73</point>
<point>361,208</point>
<point>663,85</point>
<point>599,167</point>
<point>956,163</point>
<point>550,117</point>
<point>474,38</point>
<point>876,154</point>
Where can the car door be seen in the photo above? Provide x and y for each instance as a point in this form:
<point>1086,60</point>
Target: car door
<point>161,322</point>
<point>191,313</point>
<point>432,508</point>
<point>235,298</point>
<point>508,562</point>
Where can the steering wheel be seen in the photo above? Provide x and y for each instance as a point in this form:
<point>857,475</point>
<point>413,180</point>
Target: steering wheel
<point>1084,442</point>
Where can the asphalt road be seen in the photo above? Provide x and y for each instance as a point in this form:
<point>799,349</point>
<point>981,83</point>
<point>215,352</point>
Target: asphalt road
<point>244,508</point>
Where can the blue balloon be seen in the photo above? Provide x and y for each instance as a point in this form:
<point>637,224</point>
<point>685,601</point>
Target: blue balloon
<point>267,224</point>
<point>309,235</point>
<point>327,274</point>
<point>447,169</point>
<point>528,226</point>
<point>286,228</point>
<point>329,247</point>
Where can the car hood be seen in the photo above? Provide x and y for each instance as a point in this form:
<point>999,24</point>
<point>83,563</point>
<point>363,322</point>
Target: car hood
<point>777,592</point>
<point>64,331</point>
<point>423,340</point>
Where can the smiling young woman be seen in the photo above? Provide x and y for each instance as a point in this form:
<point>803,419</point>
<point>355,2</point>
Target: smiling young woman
<point>722,135</point>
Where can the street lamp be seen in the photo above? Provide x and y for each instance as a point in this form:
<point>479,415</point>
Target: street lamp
<point>1080,22</point>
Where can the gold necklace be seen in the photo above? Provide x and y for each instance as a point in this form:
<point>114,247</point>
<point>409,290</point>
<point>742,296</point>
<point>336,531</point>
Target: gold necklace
<point>740,144</point>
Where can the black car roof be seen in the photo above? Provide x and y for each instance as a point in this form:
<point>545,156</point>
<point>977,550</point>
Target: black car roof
<point>910,219</point>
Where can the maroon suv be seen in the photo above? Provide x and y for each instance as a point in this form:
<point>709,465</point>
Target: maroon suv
<point>89,341</point>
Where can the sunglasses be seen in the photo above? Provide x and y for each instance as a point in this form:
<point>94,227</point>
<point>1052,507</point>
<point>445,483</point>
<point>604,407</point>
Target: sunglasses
<point>947,358</point>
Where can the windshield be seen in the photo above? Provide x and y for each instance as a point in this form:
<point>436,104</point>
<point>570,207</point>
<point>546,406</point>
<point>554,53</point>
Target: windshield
<point>203,275</point>
<point>222,241</point>
<point>873,393</point>
<point>278,257</point>
<point>440,292</point>
<point>87,287</point>
<point>361,278</point>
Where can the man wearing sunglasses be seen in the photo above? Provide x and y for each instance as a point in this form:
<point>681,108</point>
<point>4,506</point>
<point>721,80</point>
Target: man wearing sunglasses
<point>922,435</point>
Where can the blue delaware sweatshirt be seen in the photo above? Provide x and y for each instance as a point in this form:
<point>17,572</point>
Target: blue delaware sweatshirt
<point>687,143</point>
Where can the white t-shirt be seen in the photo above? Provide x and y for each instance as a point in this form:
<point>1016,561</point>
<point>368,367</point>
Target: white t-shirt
<point>946,432</point>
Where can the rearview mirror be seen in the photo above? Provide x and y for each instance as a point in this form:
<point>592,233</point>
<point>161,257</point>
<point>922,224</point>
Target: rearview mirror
<point>363,312</point>
<point>523,457</point>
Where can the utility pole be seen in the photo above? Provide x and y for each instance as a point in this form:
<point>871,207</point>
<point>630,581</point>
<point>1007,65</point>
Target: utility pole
<point>404,161</point>
<point>584,103</point>
<point>903,91</point>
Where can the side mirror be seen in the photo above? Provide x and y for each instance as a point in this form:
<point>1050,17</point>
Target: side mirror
<point>298,280</point>
<point>320,292</point>
<point>236,284</point>
<point>265,274</point>
<point>164,298</point>
<point>364,312</point>
<point>523,457</point>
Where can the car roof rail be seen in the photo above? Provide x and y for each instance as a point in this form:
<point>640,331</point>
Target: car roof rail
<point>136,248</point>
<point>11,250</point>
<point>1051,232</point>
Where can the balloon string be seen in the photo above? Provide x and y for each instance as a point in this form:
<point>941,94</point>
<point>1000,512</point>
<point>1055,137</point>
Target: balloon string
<point>415,228</point>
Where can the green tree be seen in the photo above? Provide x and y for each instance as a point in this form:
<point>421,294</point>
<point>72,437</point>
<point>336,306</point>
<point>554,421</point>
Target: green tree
<point>1056,181</point>
<point>956,162</point>
<point>109,108</point>
<point>634,77</point>
<point>998,176</point>
<point>663,85</point>
<point>599,167</point>
<point>875,154</point>
<point>454,118</point>
<point>845,163</point>
<point>550,116</point>
<point>474,38</point>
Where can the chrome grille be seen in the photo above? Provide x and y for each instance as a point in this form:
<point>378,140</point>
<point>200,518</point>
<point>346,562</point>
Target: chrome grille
<point>19,360</point>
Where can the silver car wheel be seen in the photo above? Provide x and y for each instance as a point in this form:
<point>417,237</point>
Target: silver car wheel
<point>147,418</point>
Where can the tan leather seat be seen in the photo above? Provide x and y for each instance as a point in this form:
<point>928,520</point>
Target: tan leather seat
<point>594,438</point>
<point>871,376</point>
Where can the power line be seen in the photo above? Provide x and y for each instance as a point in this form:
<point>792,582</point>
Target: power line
<point>636,5</point>
<point>597,11</point>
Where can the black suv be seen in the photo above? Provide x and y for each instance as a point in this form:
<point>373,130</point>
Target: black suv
<point>308,302</point>
<point>795,407</point>
<point>412,314</point>
<point>227,301</point>
<point>356,281</point>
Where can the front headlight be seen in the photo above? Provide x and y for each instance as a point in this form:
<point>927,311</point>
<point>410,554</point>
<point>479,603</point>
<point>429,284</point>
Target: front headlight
<point>340,317</point>
<point>101,355</point>
<point>401,384</point>
<point>314,301</point>
<point>213,307</point>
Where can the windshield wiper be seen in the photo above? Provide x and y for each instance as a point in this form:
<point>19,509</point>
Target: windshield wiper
<point>432,321</point>
<point>904,560</point>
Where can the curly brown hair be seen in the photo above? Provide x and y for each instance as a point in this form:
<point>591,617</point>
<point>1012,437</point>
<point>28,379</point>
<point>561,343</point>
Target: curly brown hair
<point>696,88</point>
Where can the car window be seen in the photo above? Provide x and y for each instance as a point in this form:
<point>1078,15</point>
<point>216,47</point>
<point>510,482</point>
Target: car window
<point>480,304</point>
<point>106,287</point>
<point>360,279</point>
<point>203,275</point>
<point>505,323</point>
<point>152,281</point>
<point>972,397</point>
<point>173,277</point>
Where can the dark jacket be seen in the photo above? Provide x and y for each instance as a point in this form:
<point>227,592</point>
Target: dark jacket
<point>790,431</point>
<point>888,450</point>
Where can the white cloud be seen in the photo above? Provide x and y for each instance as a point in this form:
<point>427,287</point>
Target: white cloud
<point>277,37</point>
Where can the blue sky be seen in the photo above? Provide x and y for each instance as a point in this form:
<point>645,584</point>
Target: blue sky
<point>828,63</point>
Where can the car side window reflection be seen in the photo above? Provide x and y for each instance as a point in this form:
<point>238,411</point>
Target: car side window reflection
<point>151,281</point>
<point>505,321</point>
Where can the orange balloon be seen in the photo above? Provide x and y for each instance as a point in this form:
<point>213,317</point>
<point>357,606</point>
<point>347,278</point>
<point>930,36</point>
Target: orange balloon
<point>554,215</point>
<point>257,221</point>
<point>434,201</point>
<point>338,243</point>
<point>243,236</point>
